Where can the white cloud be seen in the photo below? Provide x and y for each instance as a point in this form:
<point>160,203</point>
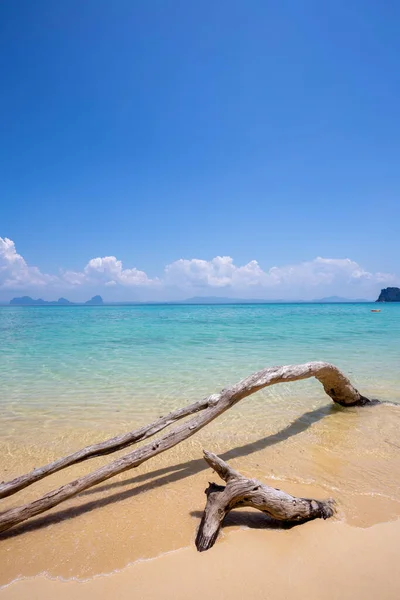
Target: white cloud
<point>335,274</point>
<point>325,271</point>
<point>219,276</point>
<point>15,273</point>
<point>108,271</point>
<point>218,272</point>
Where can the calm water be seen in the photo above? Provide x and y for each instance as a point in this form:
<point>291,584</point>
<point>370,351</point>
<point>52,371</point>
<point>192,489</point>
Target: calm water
<point>71,376</point>
<point>63,361</point>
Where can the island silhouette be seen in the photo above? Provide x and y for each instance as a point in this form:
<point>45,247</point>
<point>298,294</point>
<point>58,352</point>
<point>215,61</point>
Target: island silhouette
<point>28,301</point>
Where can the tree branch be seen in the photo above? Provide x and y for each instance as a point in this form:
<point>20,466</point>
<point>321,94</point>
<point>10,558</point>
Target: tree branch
<point>240,492</point>
<point>335,384</point>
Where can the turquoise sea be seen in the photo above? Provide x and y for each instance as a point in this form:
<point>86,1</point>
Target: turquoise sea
<point>73,376</point>
<point>74,362</point>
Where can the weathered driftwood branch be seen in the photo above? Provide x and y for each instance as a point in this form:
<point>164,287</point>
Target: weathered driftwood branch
<point>241,491</point>
<point>101,449</point>
<point>335,384</point>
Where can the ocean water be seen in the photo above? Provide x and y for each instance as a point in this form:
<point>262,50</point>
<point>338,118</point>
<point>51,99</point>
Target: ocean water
<point>71,376</point>
<point>67,362</point>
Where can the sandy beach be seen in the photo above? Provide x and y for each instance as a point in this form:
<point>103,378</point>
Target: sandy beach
<point>318,561</point>
<point>199,270</point>
<point>135,533</point>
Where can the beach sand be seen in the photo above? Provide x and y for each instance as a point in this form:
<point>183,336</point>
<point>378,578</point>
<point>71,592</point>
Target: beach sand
<point>318,561</point>
<point>133,536</point>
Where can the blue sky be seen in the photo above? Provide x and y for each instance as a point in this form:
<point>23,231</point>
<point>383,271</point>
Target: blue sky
<point>163,131</point>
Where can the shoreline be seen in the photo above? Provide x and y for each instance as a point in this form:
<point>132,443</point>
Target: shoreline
<point>317,560</point>
<point>153,511</point>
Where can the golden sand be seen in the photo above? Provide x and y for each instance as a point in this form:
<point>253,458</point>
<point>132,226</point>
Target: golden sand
<point>104,534</point>
<point>318,561</point>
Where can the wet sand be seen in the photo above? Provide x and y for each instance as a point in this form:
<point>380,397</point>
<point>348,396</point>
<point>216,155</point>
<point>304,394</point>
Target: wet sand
<point>99,541</point>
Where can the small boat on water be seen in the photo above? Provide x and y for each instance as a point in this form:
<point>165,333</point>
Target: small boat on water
<point>375,310</point>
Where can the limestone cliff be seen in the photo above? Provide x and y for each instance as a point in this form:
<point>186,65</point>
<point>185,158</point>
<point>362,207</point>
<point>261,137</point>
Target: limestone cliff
<point>390,294</point>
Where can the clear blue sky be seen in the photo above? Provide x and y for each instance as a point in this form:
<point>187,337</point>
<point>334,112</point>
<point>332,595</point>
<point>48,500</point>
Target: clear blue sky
<point>156,130</point>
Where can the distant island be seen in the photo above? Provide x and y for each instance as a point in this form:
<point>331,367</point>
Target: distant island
<point>336,299</point>
<point>98,301</point>
<point>390,294</point>
<point>95,301</point>
<point>28,301</point>
<point>222,300</point>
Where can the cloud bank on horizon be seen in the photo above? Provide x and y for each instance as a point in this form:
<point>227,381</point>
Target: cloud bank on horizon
<point>184,277</point>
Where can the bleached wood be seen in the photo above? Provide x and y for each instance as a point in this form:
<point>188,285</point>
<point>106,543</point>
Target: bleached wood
<point>335,384</point>
<point>101,449</point>
<point>241,491</point>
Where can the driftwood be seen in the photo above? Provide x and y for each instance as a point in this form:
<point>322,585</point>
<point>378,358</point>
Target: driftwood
<point>335,384</point>
<point>241,491</point>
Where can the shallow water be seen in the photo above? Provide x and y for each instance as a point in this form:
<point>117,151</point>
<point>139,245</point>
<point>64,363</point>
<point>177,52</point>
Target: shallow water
<point>66,362</point>
<point>72,375</point>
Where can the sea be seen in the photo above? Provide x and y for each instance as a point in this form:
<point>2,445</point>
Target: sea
<point>74,375</point>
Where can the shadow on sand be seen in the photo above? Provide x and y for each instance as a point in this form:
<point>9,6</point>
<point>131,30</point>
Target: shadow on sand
<point>253,519</point>
<point>175,473</point>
